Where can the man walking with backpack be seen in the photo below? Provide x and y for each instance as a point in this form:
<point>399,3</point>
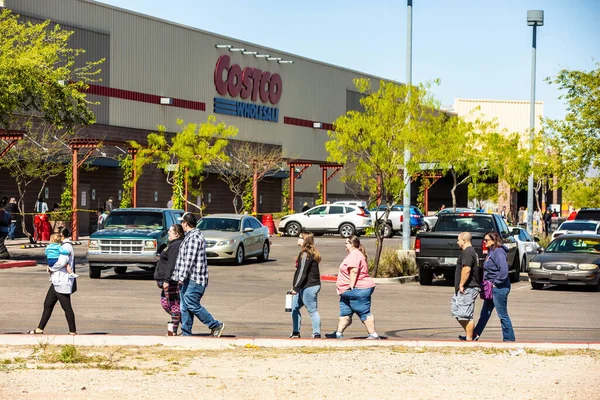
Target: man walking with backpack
<point>191,271</point>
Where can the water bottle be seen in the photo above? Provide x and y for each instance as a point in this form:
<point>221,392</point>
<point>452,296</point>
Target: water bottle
<point>288,301</point>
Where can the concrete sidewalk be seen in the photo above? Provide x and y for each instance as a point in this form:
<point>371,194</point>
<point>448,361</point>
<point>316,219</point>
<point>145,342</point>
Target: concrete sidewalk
<point>210,343</point>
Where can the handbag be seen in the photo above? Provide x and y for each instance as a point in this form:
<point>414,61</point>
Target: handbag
<point>487,287</point>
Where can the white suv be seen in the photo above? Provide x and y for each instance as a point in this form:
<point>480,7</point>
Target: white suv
<point>328,218</point>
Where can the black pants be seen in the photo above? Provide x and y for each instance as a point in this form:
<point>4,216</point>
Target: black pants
<point>4,255</point>
<point>65,302</point>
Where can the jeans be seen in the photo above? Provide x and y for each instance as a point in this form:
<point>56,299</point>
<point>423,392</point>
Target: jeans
<point>306,297</point>
<point>356,301</point>
<point>500,300</point>
<point>191,293</point>
<point>11,230</point>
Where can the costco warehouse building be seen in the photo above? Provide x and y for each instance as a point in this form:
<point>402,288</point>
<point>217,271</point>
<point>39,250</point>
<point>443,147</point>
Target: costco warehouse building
<point>158,71</point>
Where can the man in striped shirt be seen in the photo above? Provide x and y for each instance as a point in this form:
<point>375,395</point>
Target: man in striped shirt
<point>191,271</point>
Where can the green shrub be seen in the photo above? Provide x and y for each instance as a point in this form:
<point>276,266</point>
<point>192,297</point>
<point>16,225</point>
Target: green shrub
<point>390,266</point>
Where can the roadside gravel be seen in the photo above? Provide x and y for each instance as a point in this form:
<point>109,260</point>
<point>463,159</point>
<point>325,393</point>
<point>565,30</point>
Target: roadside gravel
<point>315,373</point>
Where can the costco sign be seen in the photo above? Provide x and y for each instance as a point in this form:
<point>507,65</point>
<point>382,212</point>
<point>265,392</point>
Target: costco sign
<point>248,83</point>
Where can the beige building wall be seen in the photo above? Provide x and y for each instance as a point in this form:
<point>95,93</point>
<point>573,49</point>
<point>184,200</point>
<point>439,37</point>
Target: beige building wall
<point>154,56</point>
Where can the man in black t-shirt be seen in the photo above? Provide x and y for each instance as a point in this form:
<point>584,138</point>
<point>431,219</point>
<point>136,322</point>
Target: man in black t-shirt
<point>466,284</point>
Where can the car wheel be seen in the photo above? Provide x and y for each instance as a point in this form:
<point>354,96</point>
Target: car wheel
<point>264,256</point>
<point>95,272</point>
<point>387,231</point>
<point>524,264</point>
<point>516,275</point>
<point>347,230</point>
<point>425,277</point>
<point>293,229</point>
<point>120,270</point>
<point>239,255</point>
<point>537,286</point>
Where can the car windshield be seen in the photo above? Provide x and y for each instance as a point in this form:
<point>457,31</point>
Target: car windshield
<point>566,245</point>
<point>139,220</point>
<point>469,223</point>
<point>578,226</point>
<point>219,224</point>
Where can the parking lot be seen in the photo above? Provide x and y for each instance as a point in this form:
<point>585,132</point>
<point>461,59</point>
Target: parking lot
<point>250,300</point>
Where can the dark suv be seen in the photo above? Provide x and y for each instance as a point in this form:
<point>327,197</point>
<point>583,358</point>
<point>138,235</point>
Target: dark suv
<point>589,214</point>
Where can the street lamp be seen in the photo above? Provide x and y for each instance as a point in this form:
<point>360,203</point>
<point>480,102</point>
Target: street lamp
<point>535,18</point>
<point>407,155</point>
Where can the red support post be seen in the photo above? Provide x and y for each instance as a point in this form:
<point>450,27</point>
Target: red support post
<point>185,185</point>
<point>255,189</point>
<point>324,185</point>
<point>74,193</point>
<point>426,201</point>
<point>134,174</point>
<point>292,179</point>
<point>378,189</point>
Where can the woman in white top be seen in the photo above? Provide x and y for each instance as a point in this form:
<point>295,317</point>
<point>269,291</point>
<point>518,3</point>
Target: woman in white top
<point>60,290</point>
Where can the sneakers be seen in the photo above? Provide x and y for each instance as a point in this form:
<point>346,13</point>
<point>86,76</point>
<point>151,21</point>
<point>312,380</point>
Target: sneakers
<point>316,336</point>
<point>295,335</point>
<point>463,338</point>
<point>216,332</point>
<point>334,335</point>
<point>373,336</point>
<point>73,276</point>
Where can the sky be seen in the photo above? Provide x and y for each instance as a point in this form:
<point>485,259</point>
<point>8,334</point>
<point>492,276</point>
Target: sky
<point>479,49</point>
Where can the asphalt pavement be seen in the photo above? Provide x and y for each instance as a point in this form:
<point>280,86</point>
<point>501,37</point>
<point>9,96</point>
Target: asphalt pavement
<point>250,300</point>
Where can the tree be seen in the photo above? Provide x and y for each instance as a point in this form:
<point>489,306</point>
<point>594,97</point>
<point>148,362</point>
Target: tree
<point>585,193</point>
<point>191,150</point>
<point>244,159</point>
<point>458,149</point>
<point>371,143</point>
<point>42,93</point>
<point>579,132</point>
<point>480,193</point>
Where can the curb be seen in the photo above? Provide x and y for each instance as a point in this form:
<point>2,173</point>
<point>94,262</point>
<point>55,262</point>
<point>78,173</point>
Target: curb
<point>379,281</point>
<point>210,343</point>
<point>17,264</point>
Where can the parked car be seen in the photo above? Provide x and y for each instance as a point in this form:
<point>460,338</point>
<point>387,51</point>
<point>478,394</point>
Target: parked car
<point>526,245</point>
<point>431,220</point>
<point>131,237</point>
<point>393,224</point>
<point>327,218</point>
<point>235,237</point>
<point>577,226</point>
<point>588,214</point>
<point>351,203</point>
<point>568,260</point>
<point>437,251</point>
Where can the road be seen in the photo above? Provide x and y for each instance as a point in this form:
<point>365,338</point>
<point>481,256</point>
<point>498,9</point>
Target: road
<point>250,300</point>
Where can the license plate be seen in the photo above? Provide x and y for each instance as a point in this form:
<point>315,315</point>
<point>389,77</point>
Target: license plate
<point>558,277</point>
<point>450,261</point>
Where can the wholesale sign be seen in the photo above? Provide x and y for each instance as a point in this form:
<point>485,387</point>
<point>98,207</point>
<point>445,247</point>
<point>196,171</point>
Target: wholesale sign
<point>248,84</point>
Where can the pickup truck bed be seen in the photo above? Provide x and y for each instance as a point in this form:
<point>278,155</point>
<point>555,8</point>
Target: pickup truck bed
<point>437,251</point>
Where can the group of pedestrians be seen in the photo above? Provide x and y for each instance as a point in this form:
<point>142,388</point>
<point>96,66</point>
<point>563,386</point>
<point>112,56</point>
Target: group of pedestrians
<point>469,278</point>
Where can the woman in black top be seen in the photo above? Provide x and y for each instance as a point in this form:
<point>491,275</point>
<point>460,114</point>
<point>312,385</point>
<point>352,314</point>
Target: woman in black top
<point>306,285</point>
<point>169,295</point>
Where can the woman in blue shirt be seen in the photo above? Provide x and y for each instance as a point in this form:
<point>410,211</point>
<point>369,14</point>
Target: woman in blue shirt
<point>495,269</point>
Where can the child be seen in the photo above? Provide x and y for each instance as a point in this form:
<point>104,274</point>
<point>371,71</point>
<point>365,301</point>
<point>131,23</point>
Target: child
<point>58,257</point>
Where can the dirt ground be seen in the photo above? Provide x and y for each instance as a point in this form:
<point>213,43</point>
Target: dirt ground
<point>65,372</point>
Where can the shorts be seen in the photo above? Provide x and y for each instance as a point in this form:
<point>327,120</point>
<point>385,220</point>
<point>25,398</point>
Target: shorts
<point>463,304</point>
<point>356,301</point>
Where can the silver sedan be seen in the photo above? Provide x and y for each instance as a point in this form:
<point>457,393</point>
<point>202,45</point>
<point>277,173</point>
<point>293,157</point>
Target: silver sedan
<point>235,237</point>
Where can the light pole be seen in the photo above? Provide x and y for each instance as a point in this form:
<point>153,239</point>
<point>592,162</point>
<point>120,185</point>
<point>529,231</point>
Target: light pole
<point>407,155</point>
<point>535,18</point>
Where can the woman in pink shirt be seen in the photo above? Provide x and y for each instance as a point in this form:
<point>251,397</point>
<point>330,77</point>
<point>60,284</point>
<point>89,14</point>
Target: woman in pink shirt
<point>355,287</point>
